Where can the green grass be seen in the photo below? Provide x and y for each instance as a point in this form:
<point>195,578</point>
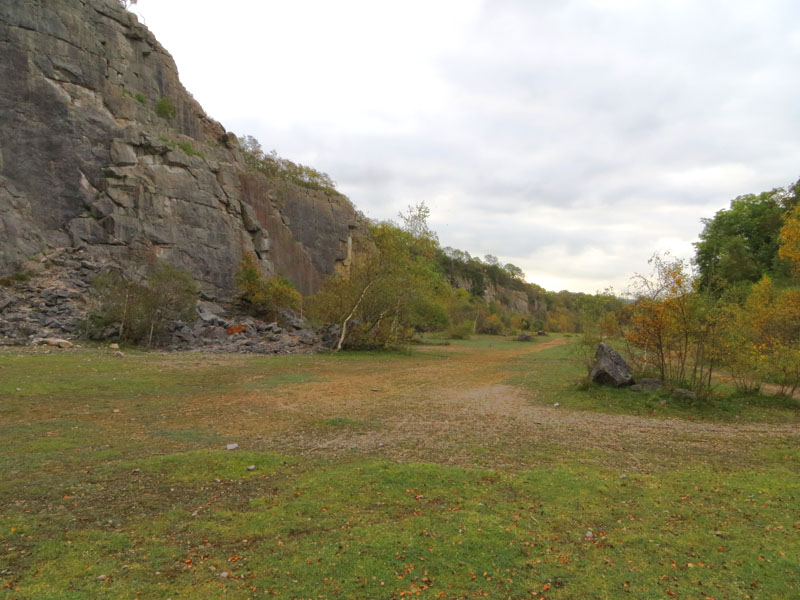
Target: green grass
<point>557,375</point>
<point>373,529</point>
<point>146,502</point>
<point>68,378</point>
<point>486,341</point>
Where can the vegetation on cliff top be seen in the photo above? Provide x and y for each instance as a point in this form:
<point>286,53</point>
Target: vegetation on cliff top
<point>275,167</point>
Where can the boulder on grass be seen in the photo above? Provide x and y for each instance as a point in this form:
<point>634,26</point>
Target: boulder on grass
<point>610,368</point>
<point>524,337</point>
<point>60,343</point>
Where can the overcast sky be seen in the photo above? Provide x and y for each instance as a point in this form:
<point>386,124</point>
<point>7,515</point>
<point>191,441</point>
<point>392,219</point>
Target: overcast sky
<point>572,138</point>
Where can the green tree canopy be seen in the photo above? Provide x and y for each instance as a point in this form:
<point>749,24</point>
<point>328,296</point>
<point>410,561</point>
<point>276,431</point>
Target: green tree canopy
<point>389,293</point>
<point>740,243</point>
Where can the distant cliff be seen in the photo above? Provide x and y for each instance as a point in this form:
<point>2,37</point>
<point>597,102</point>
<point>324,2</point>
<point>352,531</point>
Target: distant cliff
<point>101,147</point>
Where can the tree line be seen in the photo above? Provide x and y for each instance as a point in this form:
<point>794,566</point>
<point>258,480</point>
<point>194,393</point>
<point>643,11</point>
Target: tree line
<point>735,308</point>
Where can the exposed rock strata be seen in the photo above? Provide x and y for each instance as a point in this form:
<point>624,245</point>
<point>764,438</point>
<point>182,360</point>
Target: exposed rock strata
<point>102,148</point>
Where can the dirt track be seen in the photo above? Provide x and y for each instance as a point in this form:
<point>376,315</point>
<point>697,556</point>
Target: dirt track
<point>460,411</point>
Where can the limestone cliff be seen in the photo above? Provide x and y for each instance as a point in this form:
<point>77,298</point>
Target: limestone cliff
<point>101,147</point>
<point>524,299</point>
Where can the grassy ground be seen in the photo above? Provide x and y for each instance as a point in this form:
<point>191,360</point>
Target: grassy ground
<point>442,473</point>
<point>554,373</point>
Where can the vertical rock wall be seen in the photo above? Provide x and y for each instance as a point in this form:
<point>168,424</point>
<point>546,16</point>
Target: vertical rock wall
<point>309,232</point>
<point>101,147</point>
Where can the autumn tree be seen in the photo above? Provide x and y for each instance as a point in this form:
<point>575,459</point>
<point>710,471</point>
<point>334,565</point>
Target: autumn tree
<point>671,326</point>
<point>514,272</point>
<point>789,238</point>
<point>761,338</point>
<point>389,293</point>
<point>415,222</point>
<point>464,310</point>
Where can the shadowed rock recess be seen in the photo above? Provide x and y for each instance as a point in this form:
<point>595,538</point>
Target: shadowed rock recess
<point>103,151</point>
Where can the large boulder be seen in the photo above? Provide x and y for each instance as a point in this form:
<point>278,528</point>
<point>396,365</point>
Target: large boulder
<point>610,368</point>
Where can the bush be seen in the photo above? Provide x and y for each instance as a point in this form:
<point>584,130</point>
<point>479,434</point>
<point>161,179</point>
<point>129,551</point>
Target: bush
<point>462,331</point>
<point>265,297</point>
<point>141,309</point>
<point>165,109</point>
<point>491,325</point>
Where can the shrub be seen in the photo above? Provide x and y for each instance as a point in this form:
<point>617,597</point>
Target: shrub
<point>165,109</point>
<point>265,297</point>
<point>462,331</point>
<point>492,325</point>
<point>140,98</point>
<point>18,276</point>
<point>141,309</point>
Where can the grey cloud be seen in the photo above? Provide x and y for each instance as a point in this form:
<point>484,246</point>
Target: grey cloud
<point>633,122</point>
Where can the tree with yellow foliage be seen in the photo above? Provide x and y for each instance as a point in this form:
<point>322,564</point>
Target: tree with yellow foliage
<point>790,238</point>
<point>762,338</point>
<point>671,326</point>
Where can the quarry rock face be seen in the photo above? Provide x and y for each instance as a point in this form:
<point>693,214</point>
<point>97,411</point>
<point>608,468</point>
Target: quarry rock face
<point>314,230</point>
<point>516,300</point>
<point>102,149</point>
